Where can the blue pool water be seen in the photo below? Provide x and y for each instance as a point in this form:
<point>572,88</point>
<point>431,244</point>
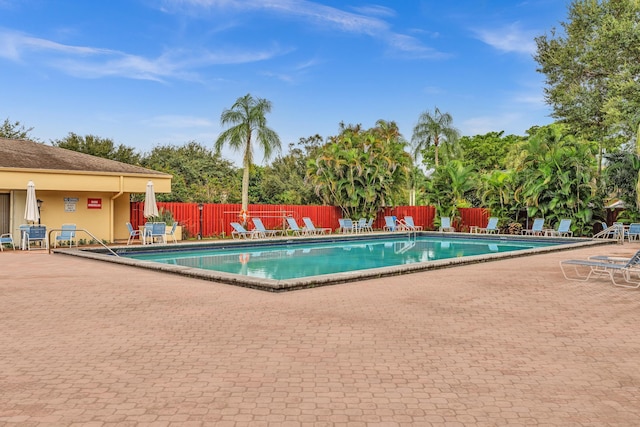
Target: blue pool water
<point>297,260</point>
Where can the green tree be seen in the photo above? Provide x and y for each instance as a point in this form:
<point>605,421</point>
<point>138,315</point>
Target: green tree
<point>488,152</point>
<point>592,70</point>
<point>361,171</point>
<point>433,129</point>
<point>14,130</point>
<point>100,147</point>
<point>199,175</point>
<point>555,176</point>
<point>450,186</point>
<point>247,118</point>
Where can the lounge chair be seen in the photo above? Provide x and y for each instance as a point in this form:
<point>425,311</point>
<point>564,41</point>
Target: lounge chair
<point>257,222</point>
<point>445,224</point>
<point>492,226</point>
<point>537,229</point>
<point>172,232</point>
<point>295,228</point>
<point>599,266</point>
<point>312,229</point>
<point>408,222</point>
<point>6,239</point>
<point>133,233</point>
<point>346,225</point>
<point>240,232</point>
<point>67,234</point>
<point>633,233</point>
<point>564,229</point>
<point>390,223</point>
<point>361,225</point>
<point>370,225</point>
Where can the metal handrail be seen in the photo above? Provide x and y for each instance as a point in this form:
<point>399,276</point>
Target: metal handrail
<point>79,229</point>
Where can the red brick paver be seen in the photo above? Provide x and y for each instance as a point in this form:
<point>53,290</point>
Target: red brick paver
<point>503,343</point>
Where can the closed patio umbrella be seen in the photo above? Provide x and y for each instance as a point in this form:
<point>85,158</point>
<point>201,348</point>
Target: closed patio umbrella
<point>150,207</point>
<point>31,213</point>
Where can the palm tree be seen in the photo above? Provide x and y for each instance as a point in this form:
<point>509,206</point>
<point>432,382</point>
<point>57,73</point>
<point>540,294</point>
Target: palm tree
<point>247,117</point>
<point>433,129</point>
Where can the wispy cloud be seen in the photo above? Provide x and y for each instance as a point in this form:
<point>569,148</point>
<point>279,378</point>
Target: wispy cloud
<point>510,38</point>
<point>364,20</point>
<point>92,62</point>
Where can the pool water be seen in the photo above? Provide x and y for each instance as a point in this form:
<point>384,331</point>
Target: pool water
<point>289,261</point>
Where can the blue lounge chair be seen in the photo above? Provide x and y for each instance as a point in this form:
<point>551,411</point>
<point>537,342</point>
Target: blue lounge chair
<point>6,239</point>
<point>445,224</point>
<point>312,229</point>
<point>537,229</point>
<point>346,225</point>
<point>584,269</point>
<point>390,223</point>
<point>633,233</point>
<point>564,229</point>
<point>155,230</point>
<point>67,234</point>
<point>295,228</point>
<point>259,226</point>
<point>409,224</point>
<point>240,232</point>
<point>492,226</point>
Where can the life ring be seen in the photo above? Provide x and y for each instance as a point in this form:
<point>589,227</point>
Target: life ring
<point>243,215</point>
<point>244,258</point>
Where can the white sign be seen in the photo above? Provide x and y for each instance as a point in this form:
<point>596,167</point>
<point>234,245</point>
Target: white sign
<point>69,207</point>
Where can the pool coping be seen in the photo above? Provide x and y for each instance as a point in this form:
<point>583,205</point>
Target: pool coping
<point>272,285</point>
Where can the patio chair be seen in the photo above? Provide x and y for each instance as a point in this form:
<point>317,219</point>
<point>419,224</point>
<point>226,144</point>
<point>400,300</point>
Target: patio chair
<point>492,226</point>
<point>360,226</point>
<point>370,225</point>
<point>633,233</point>
<point>537,229</point>
<point>240,232</point>
<point>295,228</point>
<point>172,232</point>
<point>584,269</point>
<point>390,223</point>
<point>259,226</point>
<point>67,234</point>
<point>37,234</point>
<point>311,228</point>
<point>445,224</point>
<point>563,230</point>
<point>133,233</point>
<point>408,222</point>
<point>6,239</point>
<point>346,225</point>
<point>155,230</point>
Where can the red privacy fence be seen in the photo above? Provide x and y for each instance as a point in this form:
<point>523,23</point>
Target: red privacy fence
<point>214,218</point>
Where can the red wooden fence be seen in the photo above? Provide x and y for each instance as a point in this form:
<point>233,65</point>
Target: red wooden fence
<point>216,218</point>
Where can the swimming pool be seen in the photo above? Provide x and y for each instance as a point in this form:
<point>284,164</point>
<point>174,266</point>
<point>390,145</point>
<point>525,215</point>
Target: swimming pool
<point>291,263</point>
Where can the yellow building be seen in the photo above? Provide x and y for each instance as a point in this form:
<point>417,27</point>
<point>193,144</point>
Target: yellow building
<point>72,188</point>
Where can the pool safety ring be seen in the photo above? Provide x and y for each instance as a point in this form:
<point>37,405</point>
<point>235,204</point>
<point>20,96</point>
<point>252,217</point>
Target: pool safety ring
<point>244,215</point>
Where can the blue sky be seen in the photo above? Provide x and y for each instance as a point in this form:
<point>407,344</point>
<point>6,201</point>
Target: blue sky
<point>151,72</point>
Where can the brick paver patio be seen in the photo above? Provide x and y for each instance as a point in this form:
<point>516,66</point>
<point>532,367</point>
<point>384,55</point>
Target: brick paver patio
<point>503,343</point>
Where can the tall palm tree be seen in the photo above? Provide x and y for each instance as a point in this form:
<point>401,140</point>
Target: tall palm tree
<point>247,117</point>
<point>433,129</point>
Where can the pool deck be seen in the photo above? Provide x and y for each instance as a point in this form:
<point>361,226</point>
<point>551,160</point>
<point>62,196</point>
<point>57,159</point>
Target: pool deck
<point>510,342</point>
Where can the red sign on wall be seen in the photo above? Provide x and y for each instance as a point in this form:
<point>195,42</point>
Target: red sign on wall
<point>94,203</point>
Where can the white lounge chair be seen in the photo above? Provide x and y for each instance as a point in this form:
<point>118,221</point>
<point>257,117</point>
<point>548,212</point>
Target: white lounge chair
<point>295,228</point>
<point>584,269</point>
<point>346,225</point>
<point>408,223</point>
<point>6,239</point>
<point>564,229</point>
<point>257,222</point>
<point>390,223</point>
<point>312,229</point>
<point>240,232</point>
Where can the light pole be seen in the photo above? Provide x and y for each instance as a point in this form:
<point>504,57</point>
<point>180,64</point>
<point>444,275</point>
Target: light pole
<point>201,209</point>
<point>39,206</point>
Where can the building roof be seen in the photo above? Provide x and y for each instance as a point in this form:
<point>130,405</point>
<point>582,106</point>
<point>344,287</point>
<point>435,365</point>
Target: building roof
<point>24,154</point>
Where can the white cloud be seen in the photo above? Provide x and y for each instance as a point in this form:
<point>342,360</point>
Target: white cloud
<point>91,62</point>
<point>508,39</point>
<point>365,22</point>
